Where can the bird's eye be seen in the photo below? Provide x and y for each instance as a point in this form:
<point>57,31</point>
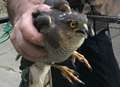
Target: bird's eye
<point>73,24</point>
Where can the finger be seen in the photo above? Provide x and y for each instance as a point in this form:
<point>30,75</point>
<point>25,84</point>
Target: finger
<point>14,37</point>
<point>31,51</point>
<point>40,7</point>
<point>29,32</point>
<point>44,7</point>
<point>26,49</point>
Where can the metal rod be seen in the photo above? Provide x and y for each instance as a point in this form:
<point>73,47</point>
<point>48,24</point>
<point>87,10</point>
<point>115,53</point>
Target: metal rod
<point>4,19</point>
<point>110,19</point>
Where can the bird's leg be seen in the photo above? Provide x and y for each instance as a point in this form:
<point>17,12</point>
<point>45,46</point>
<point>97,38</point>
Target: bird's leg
<point>68,73</point>
<point>81,58</point>
<point>38,74</point>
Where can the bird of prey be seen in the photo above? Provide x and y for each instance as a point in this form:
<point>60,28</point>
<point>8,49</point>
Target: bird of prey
<point>64,31</point>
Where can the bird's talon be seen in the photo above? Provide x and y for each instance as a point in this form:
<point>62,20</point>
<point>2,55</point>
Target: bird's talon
<point>82,59</point>
<point>69,73</point>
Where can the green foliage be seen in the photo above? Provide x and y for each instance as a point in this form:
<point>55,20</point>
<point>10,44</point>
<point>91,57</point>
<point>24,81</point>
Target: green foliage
<point>7,28</point>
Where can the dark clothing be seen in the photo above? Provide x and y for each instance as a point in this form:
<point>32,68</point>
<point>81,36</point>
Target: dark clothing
<point>98,51</point>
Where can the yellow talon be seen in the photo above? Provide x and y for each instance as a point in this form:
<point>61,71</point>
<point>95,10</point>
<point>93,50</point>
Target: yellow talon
<point>81,58</point>
<point>70,74</point>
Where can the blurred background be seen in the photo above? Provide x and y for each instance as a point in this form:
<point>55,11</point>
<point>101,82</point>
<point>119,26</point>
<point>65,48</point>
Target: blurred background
<point>9,68</point>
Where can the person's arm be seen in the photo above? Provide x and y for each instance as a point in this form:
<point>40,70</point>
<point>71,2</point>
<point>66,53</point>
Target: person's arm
<point>17,7</point>
<point>25,37</point>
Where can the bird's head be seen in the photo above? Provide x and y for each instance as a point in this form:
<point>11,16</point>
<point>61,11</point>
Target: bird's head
<point>73,28</point>
<point>62,25</point>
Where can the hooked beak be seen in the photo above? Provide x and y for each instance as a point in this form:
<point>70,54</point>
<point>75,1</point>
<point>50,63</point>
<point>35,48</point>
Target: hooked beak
<point>84,30</point>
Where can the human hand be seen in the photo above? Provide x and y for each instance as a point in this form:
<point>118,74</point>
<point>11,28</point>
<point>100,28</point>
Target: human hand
<point>25,37</point>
